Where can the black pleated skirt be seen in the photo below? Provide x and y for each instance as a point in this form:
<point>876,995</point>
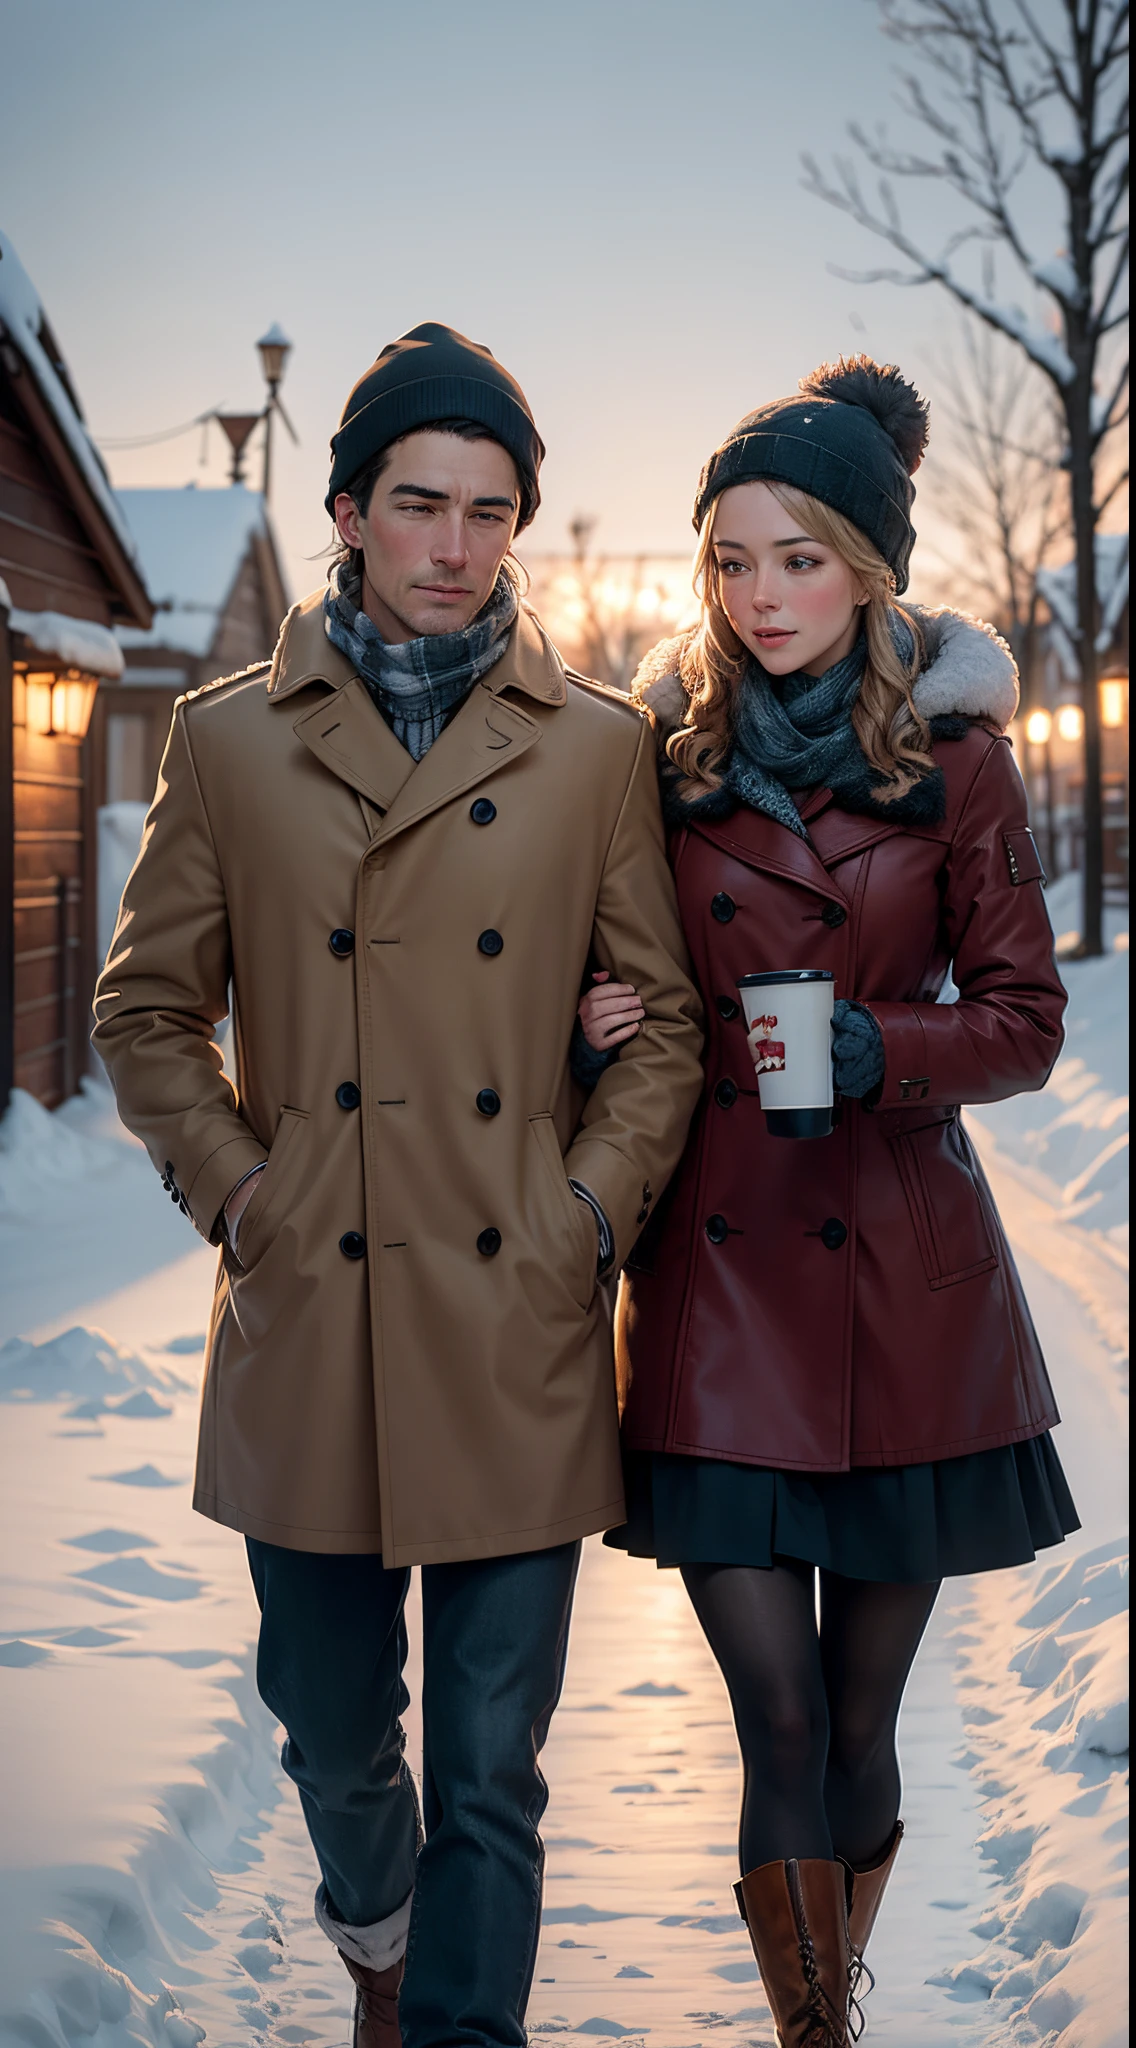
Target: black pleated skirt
<point>897,1525</point>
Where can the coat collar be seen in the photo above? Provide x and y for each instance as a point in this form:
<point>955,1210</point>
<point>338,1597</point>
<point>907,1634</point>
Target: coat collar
<point>349,736</point>
<point>305,655</point>
<point>835,836</point>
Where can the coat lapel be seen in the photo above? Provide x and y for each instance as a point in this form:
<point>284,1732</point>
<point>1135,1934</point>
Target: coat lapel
<point>351,737</point>
<point>762,843</point>
<point>348,734</point>
<point>486,734</point>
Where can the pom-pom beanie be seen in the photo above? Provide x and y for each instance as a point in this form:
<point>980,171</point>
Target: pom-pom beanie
<point>851,436</point>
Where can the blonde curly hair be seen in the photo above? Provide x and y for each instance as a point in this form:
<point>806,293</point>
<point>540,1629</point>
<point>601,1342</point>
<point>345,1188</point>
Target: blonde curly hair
<point>894,737</point>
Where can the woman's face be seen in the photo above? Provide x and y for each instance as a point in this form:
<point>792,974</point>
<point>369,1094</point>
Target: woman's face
<point>792,600</point>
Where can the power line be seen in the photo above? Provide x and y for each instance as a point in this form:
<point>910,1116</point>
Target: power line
<point>151,440</point>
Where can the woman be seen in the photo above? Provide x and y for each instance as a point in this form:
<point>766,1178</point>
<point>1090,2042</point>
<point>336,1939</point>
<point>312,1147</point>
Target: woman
<point>827,1356</point>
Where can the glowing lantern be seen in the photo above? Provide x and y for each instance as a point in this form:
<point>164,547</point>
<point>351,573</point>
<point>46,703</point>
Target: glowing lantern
<point>59,705</point>
<point>37,703</point>
<point>1070,722</point>
<point>72,701</point>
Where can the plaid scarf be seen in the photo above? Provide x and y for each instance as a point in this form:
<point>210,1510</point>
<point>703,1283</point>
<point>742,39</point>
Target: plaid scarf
<point>419,684</point>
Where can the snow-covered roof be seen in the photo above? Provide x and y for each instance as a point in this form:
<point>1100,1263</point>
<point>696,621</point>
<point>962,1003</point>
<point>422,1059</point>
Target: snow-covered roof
<point>81,643</point>
<point>22,314</point>
<point>1059,589</point>
<point>191,543</point>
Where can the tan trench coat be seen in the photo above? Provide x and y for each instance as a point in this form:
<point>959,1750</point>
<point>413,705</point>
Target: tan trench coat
<point>375,1381</point>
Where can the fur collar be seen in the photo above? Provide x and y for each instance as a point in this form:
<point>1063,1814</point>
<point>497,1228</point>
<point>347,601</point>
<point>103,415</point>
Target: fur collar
<point>969,673</point>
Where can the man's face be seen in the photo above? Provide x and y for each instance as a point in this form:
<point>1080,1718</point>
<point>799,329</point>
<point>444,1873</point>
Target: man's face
<point>440,522</point>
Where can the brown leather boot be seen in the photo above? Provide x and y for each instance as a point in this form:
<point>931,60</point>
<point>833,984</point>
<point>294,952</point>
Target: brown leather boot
<point>798,1923</point>
<point>376,2005</point>
<point>865,1893</point>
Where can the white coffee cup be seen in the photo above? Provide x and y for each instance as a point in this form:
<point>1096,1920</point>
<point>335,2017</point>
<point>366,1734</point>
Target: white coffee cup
<point>794,1064</point>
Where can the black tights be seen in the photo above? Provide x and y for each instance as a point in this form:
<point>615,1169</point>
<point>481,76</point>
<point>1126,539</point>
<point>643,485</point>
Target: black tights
<point>815,1708</point>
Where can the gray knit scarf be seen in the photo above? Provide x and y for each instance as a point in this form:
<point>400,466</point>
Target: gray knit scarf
<point>796,732</point>
<point>419,684</point>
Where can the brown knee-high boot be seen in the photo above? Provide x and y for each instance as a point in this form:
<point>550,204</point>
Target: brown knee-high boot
<point>797,1918</point>
<point>865,1891</point>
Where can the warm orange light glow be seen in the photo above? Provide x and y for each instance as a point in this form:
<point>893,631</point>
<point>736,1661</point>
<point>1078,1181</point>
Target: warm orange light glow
<point>37,703</point>
<point>1112,703</point>
<point>1070,722</point>
<point>1038,728</point>
<point>72,701</point>
<point>48,704</point>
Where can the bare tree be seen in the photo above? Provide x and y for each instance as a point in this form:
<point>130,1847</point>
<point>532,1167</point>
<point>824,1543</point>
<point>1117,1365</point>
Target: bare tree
<point>998,477</point>
<point>623,613</point>
<point>1013,93</point>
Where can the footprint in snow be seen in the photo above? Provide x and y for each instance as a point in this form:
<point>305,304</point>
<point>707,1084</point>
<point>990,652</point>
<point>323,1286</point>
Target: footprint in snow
<point>111,1540</point>
<point>140,1475</point>
<point>138,1576</point>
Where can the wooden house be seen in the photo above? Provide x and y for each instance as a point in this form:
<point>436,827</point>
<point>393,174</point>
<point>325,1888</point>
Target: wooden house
<point>211,566</point>
<point>69,573</point>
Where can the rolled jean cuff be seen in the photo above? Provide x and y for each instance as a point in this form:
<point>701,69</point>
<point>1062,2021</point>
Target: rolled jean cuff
<point>377,1946</point>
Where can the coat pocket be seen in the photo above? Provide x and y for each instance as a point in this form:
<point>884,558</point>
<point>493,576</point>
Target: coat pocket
<point>258,1224</point>
<point>946,1205</point>
<point>571,1228</point>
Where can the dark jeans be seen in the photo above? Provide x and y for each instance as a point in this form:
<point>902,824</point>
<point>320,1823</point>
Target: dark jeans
<point>495,1638</point>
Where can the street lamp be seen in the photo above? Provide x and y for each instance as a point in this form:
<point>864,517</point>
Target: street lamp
<point>238,427</point>
<point>275,349</point>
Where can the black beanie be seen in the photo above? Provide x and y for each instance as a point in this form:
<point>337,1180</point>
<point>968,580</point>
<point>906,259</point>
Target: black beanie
<point>434,373</point>
<point>851,438</point>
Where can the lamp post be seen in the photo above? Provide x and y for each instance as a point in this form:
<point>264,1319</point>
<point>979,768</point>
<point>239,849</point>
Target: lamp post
<point>275,348</point>
<point>239,427</point>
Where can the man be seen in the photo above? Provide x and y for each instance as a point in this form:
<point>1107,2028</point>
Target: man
<point>403,842</point>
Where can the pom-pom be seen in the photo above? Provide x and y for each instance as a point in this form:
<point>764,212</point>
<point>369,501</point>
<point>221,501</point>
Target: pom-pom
<point>882,391</point>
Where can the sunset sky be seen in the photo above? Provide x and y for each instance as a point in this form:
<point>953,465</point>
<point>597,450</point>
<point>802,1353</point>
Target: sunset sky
<point>607,193</point>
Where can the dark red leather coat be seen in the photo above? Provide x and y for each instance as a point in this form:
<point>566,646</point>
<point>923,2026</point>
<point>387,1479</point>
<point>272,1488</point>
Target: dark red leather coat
<point>854,1300</point>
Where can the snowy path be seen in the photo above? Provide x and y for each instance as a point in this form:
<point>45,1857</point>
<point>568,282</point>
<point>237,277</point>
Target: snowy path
<point>155,1880</point>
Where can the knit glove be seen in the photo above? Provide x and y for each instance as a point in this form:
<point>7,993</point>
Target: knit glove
<point>588,1065</point>
<point>857,1050</point>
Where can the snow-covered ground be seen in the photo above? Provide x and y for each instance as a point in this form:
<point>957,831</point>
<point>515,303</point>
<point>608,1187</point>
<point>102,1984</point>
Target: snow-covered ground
<point>155,1879</point>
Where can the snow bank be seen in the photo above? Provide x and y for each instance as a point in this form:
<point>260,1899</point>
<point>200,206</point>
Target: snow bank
<point>120,841</point>
<point>1051,1757</point>
<point>38,1150</point>
<point>84,1366</point>
<point>1071,1140</point>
